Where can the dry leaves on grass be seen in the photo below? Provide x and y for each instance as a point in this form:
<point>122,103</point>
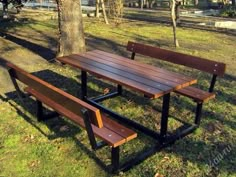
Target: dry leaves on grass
<point>106,91</point>
<point>64,128</point>
<point>158,175</point>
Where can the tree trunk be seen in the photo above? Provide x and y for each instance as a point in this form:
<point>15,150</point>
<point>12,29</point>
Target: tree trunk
<point>173,17</point>
<point>116,10</point>
<point>195,2</point>
<point>104,12</point>
<point>71,33</point>
<point>141,4</point>
<point>97,8</point>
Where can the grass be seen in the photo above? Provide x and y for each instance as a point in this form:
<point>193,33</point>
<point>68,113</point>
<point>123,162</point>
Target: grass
<point>58,148</point>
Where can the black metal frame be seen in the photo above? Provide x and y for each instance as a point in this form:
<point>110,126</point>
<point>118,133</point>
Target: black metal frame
<point>115,152</point>
<point>94,144</point>
<point>213,81</point>
<point>198,112</point>
<point>39,112</point>
<point>20,94</point>
<point>162,137</point>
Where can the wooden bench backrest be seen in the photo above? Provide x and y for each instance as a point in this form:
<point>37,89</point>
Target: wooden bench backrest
<point>70,102</point>
<point>213,67</point>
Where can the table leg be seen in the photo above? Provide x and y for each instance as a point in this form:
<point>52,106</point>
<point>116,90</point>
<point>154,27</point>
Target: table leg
<point>119,89</point>
<point>83,85</point>
<point>164,116</point>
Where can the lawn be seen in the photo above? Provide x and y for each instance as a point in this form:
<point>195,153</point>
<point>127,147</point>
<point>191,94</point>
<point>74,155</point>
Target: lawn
<point>58,148</point>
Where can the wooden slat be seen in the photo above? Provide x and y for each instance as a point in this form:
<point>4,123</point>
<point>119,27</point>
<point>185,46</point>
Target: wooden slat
<point>147,90</point>
<point>68,101</point>
<point>112,132</point>
<point>157,77</point>
<point>127,133</point>
<point>202,64</point>
<point>196,94</point>
<point>121,71</point>
<point>132,63</point>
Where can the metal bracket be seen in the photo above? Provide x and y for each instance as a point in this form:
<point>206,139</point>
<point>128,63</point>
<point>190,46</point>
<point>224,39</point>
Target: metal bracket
<point>90,132</point>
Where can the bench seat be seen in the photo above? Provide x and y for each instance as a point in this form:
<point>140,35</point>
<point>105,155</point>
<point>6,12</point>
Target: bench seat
<point>208,66</point>
<point>196,94</point>
<point>96,124</point>
<point>113,133</point>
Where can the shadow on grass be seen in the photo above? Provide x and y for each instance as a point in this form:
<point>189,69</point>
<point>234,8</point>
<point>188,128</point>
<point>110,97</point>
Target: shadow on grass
<point>94,42</point>
<point>44,52</point>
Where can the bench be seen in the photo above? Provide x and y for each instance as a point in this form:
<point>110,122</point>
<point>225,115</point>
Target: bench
<point>198,95</point>
<point>86,116</point>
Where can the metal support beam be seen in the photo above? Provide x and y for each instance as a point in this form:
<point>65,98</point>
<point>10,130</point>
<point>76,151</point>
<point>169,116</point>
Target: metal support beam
<point>115,158</point>
<point>39,110</point>
<point>213,81</point>
<point>83,85</point>
<point>198,114</point>
<point>20,94</point>
<point>125,120</point>
<point>164,116</point>
<point>104,97</point>
<point>94,144</point>
<point>132,55</point>
<point>89,129</point>
<point>119,89</point>
<point>178,135</point>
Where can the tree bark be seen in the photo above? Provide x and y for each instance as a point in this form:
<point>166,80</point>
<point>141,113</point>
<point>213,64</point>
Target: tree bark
<point>97,8</point>
<point>104,12</point>
<point>71,32</point>
<point>173,17</point>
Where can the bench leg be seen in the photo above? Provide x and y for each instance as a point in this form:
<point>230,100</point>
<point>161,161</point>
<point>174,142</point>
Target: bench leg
<point>83,85</point>
<point>41,116</point>
<point>164,116</point>
<point>119,89</point>
<point>115,158</point>
<point>20,94</point>
<point>39,112</point>
<point>89,129</point>
<point>198,114</point>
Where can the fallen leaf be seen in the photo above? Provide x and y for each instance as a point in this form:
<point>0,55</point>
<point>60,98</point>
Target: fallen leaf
<point>106,91</point>
<point>158,175</point>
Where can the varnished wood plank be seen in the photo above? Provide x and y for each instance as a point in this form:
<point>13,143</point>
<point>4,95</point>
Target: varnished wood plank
<point>127,133</point>
<point>202,64</point>
<point>149,91</point>
<point>153,70</point>
<point>121,71</point>
<point>196,94</point>
<point>158,77</point>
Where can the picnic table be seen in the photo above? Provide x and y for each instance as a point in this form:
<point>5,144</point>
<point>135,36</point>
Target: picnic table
<point>151,81</point>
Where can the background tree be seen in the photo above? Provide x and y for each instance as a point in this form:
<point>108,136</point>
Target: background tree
<point>16,4</point>
<point>116,9</point>
<point>98,4</point>
<point>175,8</point>
<point>71,32</point>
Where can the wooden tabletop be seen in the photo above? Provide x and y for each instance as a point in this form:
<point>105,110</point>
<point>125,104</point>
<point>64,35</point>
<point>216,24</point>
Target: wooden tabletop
<point>146,79</point>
